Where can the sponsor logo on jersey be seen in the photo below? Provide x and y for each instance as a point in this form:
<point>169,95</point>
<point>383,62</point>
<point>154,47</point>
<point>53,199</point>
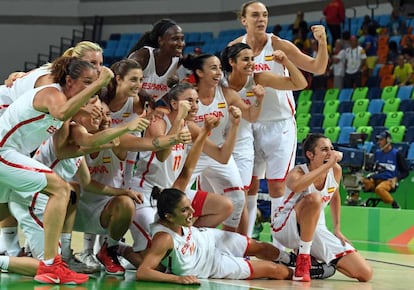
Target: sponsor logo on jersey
<point>200,118</point>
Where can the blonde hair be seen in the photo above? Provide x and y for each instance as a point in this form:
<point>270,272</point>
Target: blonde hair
<point>82,48</point>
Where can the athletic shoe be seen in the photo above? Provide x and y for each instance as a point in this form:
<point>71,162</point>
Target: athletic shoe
<point>58,273</point>
<point>108,257</point>
<point>303,265</point>
<point>89,259</point>
<point>79,267</point>
<point>321,270</point>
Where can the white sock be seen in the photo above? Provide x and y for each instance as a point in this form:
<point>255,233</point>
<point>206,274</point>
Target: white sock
<point>252,213</point>
<point>2,245</point>
<point>283,257</point>
<point>88,242</point>
<point>305,247</point>
<point>4,262</point>
<point>49,262</point>
<point>11,240</point>
<point>66,241</point>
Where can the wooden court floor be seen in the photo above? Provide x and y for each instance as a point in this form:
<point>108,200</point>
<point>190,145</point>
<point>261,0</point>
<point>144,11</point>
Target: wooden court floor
<point>392,271</point>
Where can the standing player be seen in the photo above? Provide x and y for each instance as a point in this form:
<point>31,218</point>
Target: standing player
<point>275,130</point>
<point>238,64</point>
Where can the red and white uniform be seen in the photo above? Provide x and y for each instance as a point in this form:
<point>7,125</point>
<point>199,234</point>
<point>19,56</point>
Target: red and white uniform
<point>20,86</point>
<point>105,168</point>
<point>122,116</point>
<point>206,253</point>
<point>243,152</point>
<point>22,130</point>
<point>214,176</point>
<point>151,172</point>
<point>153,84</point>
<point>275,130</point>
<point>325,246</point>
<point>29,208</point>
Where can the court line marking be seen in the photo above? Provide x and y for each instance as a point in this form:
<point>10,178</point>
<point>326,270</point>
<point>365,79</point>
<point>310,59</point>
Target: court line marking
<point>390,263</point>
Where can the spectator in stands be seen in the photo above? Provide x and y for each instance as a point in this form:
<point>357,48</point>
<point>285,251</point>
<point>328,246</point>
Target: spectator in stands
<point>334,13</point>
<point>355,62</point>
<point>338,65</point>
<point>396,25</point>
<point>299,26</point>
<point>402,72</point>
<point>408,46</point>
<point>369,44</point>
<point>277,29</point>
<point>393,52</point>
<point>391,167</point>
<point>367,22</point>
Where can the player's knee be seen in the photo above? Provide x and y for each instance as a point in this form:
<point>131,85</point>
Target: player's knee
<point>365,274</point>
<point>313,199</point>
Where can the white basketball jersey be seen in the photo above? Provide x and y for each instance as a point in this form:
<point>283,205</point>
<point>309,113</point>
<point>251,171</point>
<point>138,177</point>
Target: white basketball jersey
<point>218,108</point>
<point>107,169</point>
<point>23,127</point>
<point>153,84</point>
<point>277,104</point>
<point>151,172</point>
<point>193,252</point>
<point>245,132</point>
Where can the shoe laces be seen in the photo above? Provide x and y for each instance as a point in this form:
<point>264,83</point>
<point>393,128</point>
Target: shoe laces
<point>112,253</point>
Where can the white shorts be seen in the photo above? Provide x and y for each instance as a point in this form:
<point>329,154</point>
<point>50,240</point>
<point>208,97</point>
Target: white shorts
<point>326,246</point>
<point>21,173</point>
<point>88,217</point>
<point>243,155</point>
<point>274,148</point>
<point>30,220</point>
<point>222,179</point>
<point>231,249</point>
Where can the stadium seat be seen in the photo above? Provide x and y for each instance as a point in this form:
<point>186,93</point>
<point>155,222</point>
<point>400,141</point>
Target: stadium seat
<point>343,137</point>
<point>374,93</point>
<point>410,156</point>
<point>360,105</point>
<point>361,119</point>
<point>302,119</point>
<point>331,94</point>
<point>406,105</point>
<point>302,133</point>
<point>331,107</point>
<point>346,119</point>
<point>408,119</point>
<point>332,133</point>
<point>317,107</point>
<point>305,95</point>
<point>365,129</point>
<point>409,134</point>
<point>359,93</point>
<point>404,92</point>
<point>373,82</point>
<point>316,120</point>
<point>317,130</point>
<point>386,69</point>
<point>330,120</point>
<point>345,94</point>
<point>391,105</point>
<point>402,147</point>
<point>375,106</point>
<point>345,106</point>
<point>386,81</point>
<point>318,95</point>
<point>303,107</point>
<point>397,133</point>
<point>393,119</point>
<point>389,92</point>
<point>377,119</point>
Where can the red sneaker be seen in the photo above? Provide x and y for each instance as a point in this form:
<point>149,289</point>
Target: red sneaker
<point>303,265</point>
<point>108,258</point>
<point>58,273</point>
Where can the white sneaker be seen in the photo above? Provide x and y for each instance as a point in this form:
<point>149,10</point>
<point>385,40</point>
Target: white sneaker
<point>88,258</point>
<point>126,264</point>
